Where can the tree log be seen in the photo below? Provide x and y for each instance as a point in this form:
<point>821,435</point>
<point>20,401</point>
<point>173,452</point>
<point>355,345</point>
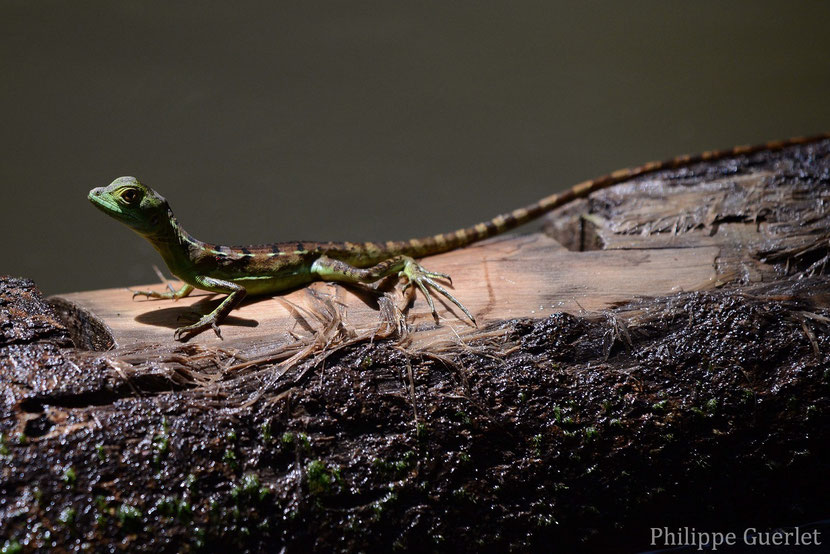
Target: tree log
<point>666,367</point>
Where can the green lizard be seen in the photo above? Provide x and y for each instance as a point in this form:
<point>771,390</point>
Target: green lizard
<point>269,269</point>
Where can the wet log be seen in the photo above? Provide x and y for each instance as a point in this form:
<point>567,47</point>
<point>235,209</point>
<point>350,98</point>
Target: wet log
<point>662,363</point>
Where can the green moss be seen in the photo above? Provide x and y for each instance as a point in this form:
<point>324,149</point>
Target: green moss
<point>67,516</point>
<point>590,432</point>
<point>461,494</point>
<point>320,478</point>
<point>660,406</point>
<point>249,491</point>
<point>11,546</point>
<point>101,503</point>
<point>166,506</point>
<point>395,467</point>
<point>161,442</point>
<point>366,362</point>
<point>287,438</point>
<point>130,517</point>
<point>265,432</point>
<point>69,476</point>
<point>463,417</point>
<point>536,442</point>
<point>173,507</point>
<point>711,405</point>
<point>189,482</point>
<point>4,448</point>
<point>559,415</point>
<point>231,436</point>
<point>421,431</point>
<point>199,536</point>
<point>250,483</point>
<point>99,451</point>
<point>229,457</point>
<point>304,441</point>
<point>407,461</point>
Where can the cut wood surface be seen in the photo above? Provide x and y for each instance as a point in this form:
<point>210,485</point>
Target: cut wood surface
<point>506,278</point>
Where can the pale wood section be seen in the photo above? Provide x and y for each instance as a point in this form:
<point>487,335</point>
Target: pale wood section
<point>509,277</point>
<point>753,219</point>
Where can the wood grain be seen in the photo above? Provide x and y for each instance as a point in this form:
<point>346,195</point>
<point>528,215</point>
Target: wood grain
<point>508,277</point>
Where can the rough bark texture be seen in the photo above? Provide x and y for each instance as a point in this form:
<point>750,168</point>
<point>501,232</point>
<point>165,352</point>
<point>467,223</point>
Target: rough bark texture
<point>705,408</point>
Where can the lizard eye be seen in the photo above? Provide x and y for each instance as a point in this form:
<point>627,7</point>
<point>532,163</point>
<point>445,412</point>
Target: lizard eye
<point>129,196</point>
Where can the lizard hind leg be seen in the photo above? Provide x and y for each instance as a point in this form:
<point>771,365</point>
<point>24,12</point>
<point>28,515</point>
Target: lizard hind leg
<point>329,269</point>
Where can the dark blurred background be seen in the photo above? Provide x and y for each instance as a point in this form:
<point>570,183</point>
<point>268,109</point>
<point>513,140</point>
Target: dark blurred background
<point>268,121</point>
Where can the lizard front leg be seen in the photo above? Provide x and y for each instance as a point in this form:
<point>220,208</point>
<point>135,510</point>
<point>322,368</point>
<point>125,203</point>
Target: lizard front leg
<point>169,295</point>
<point>212,320</point>
<point>329,269</point>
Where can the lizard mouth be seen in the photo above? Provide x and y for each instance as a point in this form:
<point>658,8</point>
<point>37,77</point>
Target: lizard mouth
<point>104,202</point>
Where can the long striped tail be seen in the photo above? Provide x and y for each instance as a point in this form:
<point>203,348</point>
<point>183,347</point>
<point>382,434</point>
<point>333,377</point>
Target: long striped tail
<point>462,237</point>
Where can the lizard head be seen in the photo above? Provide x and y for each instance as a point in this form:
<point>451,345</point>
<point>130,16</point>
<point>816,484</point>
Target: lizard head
<point>133,204</point>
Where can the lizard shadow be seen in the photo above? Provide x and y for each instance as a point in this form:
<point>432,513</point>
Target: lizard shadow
<point>176,316</point>
<point>370,296</point>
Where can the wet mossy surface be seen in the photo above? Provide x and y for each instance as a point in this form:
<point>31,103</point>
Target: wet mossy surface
<point>703,409</point>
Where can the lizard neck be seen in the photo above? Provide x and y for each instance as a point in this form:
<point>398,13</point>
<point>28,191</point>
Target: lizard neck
<point>178,247</point>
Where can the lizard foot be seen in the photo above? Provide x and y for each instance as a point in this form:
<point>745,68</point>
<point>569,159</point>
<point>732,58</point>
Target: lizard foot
<point>153,294</point>
<point>424,280</point>
<point>207,322</point>
<point>170,294</point>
